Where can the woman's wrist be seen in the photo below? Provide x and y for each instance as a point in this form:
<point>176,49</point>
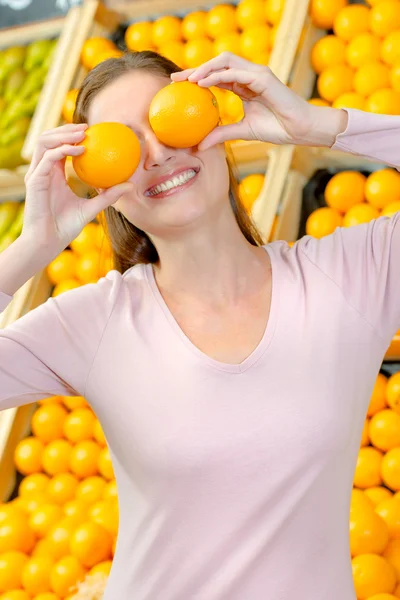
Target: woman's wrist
<point>326,124</point>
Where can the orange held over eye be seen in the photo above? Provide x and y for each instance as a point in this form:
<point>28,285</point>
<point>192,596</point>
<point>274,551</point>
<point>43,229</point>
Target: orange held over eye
<point>182,114</point>
<point>112,154</point>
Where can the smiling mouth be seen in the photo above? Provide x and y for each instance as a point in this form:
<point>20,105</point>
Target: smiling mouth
<point>175,182</point>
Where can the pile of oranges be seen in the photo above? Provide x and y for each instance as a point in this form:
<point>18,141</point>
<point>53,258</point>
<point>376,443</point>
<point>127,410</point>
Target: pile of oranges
<point>63,525</point>
<point>358,64</point>
<point>353,198</point>
<point>88,258</point>
<point>375,503</point>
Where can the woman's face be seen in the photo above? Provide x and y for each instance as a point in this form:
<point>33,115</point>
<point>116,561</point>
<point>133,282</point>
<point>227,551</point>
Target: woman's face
<point>127,100</point>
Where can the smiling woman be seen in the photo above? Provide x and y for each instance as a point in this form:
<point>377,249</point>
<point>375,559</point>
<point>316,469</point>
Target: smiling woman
<point>107,94</point>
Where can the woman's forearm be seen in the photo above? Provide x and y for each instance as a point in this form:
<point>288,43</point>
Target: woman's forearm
<point>326,124</point>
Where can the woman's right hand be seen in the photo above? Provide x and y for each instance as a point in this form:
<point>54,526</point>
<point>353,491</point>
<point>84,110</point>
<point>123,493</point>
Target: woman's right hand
<point>54,215</point>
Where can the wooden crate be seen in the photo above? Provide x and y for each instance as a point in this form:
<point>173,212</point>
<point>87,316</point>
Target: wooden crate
<point>285,195</point>
<point>15,422</point>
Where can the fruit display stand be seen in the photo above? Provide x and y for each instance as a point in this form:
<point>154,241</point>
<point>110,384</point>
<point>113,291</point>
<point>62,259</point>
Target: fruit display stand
<point>286,188</point>
<point>14,422</point>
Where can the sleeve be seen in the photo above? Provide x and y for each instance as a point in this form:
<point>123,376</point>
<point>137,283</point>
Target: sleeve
<point>50,350</point>
<point>364,261</point>
<point>371,135</point>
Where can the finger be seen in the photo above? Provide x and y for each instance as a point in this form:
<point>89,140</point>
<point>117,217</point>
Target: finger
<point>53,140</point>
<point>182,75</point>
<point>96,205</point>
<point>223,61</point>
<point>224,133</point>
<point>51,157</point>
<point>66,128</point>
<point>254,81</point>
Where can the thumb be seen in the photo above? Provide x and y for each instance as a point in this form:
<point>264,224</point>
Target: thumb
<point>224,133</point>
<point>97,204</point>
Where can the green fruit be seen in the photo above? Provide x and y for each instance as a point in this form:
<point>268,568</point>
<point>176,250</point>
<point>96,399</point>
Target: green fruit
<point>12,59</point>
<point>14,83</point>
<point>36,53</point>
<point>8,212</point>
<point>50,55</point>
<point>18,222</point>
<point>17,129</point>
<point>32,83</point>
<point>19,108</point>
<point>6,241</point>
<point>3,105</point>
<point>10,156</point>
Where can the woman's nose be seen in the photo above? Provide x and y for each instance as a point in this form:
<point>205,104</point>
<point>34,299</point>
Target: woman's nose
<point>156,153</point>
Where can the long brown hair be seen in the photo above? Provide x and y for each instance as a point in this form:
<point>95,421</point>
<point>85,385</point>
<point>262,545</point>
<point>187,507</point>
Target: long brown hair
<point>130,244</point>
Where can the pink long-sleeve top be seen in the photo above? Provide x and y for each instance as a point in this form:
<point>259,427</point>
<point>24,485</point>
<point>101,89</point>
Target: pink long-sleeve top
<point>234,480</point>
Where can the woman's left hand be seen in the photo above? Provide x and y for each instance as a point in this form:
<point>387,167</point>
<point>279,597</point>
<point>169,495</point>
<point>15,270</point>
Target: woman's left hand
<point>272,111</point>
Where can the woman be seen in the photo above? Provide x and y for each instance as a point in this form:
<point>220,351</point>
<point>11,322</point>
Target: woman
<point>231,378</point>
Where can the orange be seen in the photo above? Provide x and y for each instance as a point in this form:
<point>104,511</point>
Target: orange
<point>318,102</point>
<point>105,464</point>
<point>15,534</point>
<point>377,494</point>
<point>229,42</point>
<point>335,81</point>
<point>37,482</point>
<point>373,2</point>
<point>69,105</point>
<point>79,425</point>
<point>250,13</point>
<point>56,457</point>
<point>59,536</point>
<point>15,595</point>
<point>104,568</point>
<point>111,491</point>
<point>102,241</point>
<point>197,52</point>
<point>254,41</point>
<point>66,574</point>
<point>47,596</point>
<point>73,402</point>
<point>368,532</point>
<point>390,48</point>
<point>34,501</point>
<point>44,518</point>
<point>42,548</point>
<point>389,211</point>
<point>91,544</point>
<point>360,213</point>
<point>182,114</point>
<point>86,240</point>
<point>372,574</point>
<point>91,49</point>
<point>76,509</point>
<point>111,53</point>
<point>91,489</point>
<point>382,597</point>
<point>378,398</point>
<point>233,107</point>
<point>350,100</point>
<point>98,433</point>
<point>36,574</point>
<point>28,456</point>
<point>344,190</point>
<point>389,511</point>
<point>62,488</point>
<point>194,25</point>
<point>390,469</point>
<point>88,269</point>
<point>384,430</point>
<point>385,101</point>
<point>112,154</point>
<point>368,468</point>
<point>114,546</point>
<point>328,52</point>
<point>174,51</point>
<point>62,267</point>
<point>105,513</point>
<point>385,18</point>
<point>323,221</point>
<point>392,555</point>
<point>359,501</point>
<point>383,188</point>
<point>84,459</point>
<point>138,36</point>
<point>365,434</point>
<point>51,400</point>
<point>250,188</point>
<point>351,21</point>
<point>362,50</point>
<point>397,591</point>
<point>395,77</point>
<point>166,29</point>
<point>274,33</point>
<point>106,265</point>
<point>370,78</point>
<point>11,567</point>
<point>274,11</point>
<point>393,391</point>
<point>221,19</point>
<point>65,286</point>
<point>324,12</point>
<point>48,422</point>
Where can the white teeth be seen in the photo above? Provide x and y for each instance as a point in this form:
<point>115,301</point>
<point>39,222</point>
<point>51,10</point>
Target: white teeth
<point>172,183</point>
